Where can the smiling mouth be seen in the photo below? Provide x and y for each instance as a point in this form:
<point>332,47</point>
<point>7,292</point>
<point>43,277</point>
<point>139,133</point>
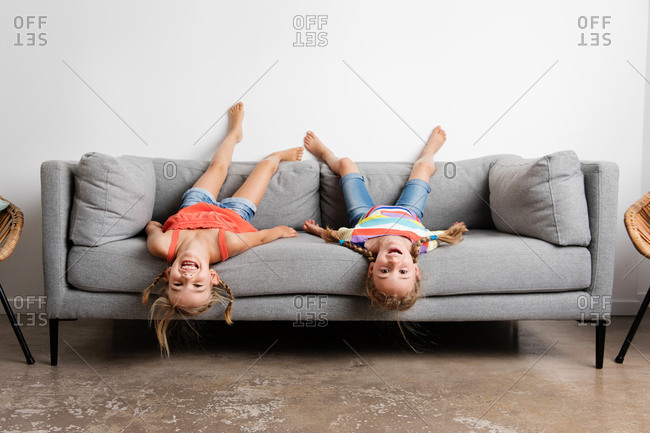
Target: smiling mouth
<point>189,265</point>
<point>394,251</point>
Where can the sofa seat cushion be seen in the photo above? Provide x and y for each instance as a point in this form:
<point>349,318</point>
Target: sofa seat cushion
<point>485,262</point>
<point>488,261</point>
<point>305,264</point>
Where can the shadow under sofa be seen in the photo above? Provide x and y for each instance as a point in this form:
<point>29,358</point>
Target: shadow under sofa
<point>98,268</point>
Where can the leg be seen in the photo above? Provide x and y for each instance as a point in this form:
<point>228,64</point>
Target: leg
<point>414,196</point>
<point>355,193</point>
<point>357,198</point>
<point>424,167</point>
<point>54,341</point>
<point>340,166</point>
<point>600,343</point>
<point>255,185</point>
<point>19,335</point>
<point>215,175</point>
<point>417,189</point>
<point>634,327</point>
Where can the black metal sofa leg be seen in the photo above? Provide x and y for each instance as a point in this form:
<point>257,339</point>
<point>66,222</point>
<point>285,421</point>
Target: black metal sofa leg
<point>600,343</point>
<point>54,341</point>
<point>635,325</point>
<point>19,334</point>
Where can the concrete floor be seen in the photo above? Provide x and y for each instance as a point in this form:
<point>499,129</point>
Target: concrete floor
<point>478,377</point>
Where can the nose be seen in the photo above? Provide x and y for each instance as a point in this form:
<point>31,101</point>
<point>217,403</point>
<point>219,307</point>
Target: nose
<point>393,259</point>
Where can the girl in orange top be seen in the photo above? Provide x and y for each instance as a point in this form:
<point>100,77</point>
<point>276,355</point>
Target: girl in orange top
<point>205,231</point>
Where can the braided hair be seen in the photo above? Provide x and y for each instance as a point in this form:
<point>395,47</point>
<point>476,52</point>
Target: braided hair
<point>163,310</point>
<point>452,235</point>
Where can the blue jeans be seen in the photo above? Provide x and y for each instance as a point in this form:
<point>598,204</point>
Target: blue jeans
<point>358,201</point>
<point>243,206</point>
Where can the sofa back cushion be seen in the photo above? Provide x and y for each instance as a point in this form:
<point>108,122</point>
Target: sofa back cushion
<point>113,199</point>
<point>542,198</point>
<point>290,199</point>
<point>459,192</point>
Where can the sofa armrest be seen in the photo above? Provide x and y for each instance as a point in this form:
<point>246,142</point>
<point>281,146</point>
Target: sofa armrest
<point>601,190</point>
<point>57,192</point>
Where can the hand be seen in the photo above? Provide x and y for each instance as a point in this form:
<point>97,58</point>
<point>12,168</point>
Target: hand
<point>285,232</point>
<point>153,225</point>
<point>310,226</point>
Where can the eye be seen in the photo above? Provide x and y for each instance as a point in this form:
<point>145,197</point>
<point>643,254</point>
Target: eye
<point>383,271</point>
<point>403,271</point>
<point>198,285</point>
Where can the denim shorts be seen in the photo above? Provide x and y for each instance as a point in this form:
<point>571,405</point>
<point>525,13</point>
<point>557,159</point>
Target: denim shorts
<point>358,201</point>
<point>243,206</point>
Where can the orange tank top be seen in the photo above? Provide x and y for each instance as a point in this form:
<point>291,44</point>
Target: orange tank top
<point>205,216</point>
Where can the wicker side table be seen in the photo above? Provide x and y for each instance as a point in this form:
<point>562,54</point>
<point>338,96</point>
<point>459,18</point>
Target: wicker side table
<point>11,226</point>
<point>637,223</point>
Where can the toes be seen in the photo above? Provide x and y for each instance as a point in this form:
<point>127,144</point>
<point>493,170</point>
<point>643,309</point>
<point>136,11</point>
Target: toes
<point>237,107</point>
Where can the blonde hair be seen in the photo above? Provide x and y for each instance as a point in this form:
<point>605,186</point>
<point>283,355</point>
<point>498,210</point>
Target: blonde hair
<point>452,235</point>
<point>163,311</point>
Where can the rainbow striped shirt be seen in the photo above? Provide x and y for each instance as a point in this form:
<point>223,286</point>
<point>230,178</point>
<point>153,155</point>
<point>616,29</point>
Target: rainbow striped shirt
<point>389,220</point>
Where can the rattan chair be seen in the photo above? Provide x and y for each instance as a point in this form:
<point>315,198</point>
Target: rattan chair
<point>11,226</point>
<point>637,223</point>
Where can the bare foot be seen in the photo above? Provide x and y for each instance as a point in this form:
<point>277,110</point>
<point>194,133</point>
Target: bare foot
<point>310,226</point>
<point>236,115</point>
<point>292,154</point>
<point>315,146</point>
<point>435,142</point>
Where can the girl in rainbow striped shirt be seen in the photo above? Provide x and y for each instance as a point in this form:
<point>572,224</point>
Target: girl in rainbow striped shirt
<point>391,237</point>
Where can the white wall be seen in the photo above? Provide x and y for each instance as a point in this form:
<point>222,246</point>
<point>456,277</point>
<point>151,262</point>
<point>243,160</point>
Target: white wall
<point>162,73</point>
<point>642,272</point>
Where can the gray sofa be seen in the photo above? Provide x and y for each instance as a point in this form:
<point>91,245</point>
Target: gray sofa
<point>501,271</point>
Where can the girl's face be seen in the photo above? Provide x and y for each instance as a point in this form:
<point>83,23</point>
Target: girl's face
<point>190,281</point>
<point>393,271</point>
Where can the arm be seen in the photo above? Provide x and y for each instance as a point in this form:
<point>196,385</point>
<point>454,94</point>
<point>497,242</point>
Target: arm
<point>237,243</point>
<point>328,235</point>
<point>157,242</point>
